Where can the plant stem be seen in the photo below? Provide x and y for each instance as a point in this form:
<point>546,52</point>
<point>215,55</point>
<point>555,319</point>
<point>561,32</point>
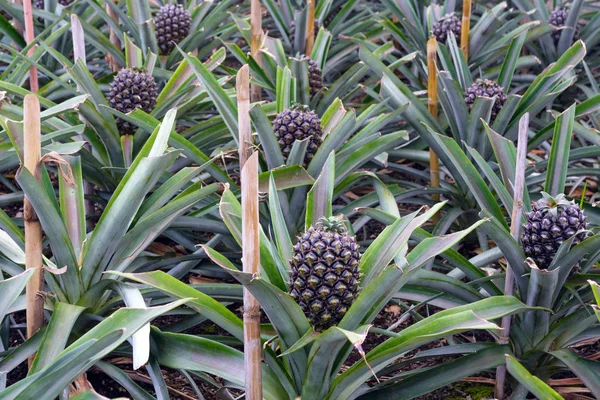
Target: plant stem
<point>432,104</point>
<point>465,28</point>
<point>310,28</point>
<point>250,239</point>
<point>33,230</point>
<point>29,37</point>
<point>256,38</point>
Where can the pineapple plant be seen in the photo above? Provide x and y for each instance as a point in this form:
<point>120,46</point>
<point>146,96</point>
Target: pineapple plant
<point>131,89</point>
<point>443,26</point>
<point>296,124</point>
<point>172,24</point>
<point>551,222</point>
<point>486,88</point>
<point>324,276</point>
<point>315,76</point>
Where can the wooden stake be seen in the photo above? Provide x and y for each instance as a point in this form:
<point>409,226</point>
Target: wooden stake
<point>33,230</point>
<point>515,228</point>
<point>432,104</point>
<point>310,28</point>
<point>465,28</point>
<point>29,37</point>
<point>250,239</point>
<point>114,39</point>
<point>256,40</point>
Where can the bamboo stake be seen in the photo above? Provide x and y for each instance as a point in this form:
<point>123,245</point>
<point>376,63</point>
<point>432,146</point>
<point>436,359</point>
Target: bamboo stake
<point>114,39</point>
<point>250,239</point>
<point>465,28</point>
<point>33,230</point>
<point>310,28</point>
<point>29,37</point>
<point>515,231</point>
<point>432,104</point>
<point>256,39</point>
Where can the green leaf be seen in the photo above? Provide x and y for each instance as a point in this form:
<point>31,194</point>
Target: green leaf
<point>56,232</point>
<point>195,353</point>
<point>439,376</point>
<point>221,100</point>
<point>200,302</point>
<point>534,384</point>
<point>510,61</point>
<point>56,334</point>
<point>124,204</point>
<point>11,289</point>
<point>287,177</point>
<point>558,160</point>
<point>586,370</point>
<point>81,355</point>
<point>454,320</point>
<point>320,197</point>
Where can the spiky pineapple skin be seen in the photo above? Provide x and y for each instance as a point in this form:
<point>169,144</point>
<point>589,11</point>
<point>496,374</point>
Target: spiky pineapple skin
<point>297,124</point>
<point>547,226</point>
<point>486,88</point>
<point>315,76</point>
<point>324,276</point>
<point>558,18</point>
<point>131,89</point>
<point>172,24</point>
<point>449,23</point>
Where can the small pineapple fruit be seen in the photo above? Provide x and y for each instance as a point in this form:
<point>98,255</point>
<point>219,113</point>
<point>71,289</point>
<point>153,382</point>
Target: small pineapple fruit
<point>324,272</point>
<point>131,89</point>
<point>550,222</point>
<point>172,25</point>
<point>449,23</point>
<point>558,18</point>
<point>486,88</point>
<point>298,123</point>
<point>314,76</point>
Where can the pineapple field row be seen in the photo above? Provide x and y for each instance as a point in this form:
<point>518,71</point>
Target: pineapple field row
<point>299,199</point>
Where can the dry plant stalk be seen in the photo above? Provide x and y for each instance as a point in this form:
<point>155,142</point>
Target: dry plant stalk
<point>33,231</point>
<point>310,28</point>
<point>29,38</point>
<point>515,231</point>
<point>256,39</point>
<point>114,39</point>
<point>465,28</point>
<point>250,239</point>
<point>432,104</point>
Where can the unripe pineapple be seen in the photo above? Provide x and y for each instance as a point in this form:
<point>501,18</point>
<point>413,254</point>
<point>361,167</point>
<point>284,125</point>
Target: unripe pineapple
<point>298,123</point>
<point>172,25</point>
<point>324,272</point>
<point>314,76</point>
<point>449,23</point>
<point>558,18</point>
<point>486,88</point>
<point>550,222</point>
<point>131,89</point>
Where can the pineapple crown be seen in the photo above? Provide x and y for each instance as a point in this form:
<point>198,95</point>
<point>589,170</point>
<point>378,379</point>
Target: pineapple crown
<point>332,224</point>
<point>300,107</point>
<point>552,203</point>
